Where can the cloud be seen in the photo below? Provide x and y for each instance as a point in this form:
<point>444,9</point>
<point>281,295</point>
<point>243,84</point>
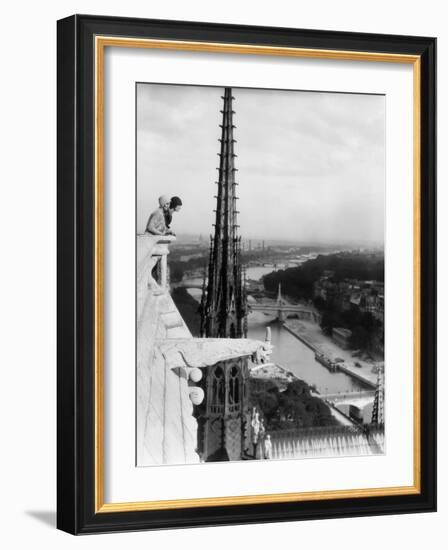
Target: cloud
<point>310,163</point>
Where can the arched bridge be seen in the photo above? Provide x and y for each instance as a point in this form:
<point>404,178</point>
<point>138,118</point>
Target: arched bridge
<point>284,310</point>
<point>358,398</point>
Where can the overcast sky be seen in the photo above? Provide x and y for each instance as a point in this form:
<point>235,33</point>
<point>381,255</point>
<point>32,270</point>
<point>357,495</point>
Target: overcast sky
<point>311,164</point>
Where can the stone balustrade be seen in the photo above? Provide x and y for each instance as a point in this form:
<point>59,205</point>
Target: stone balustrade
<point>152,251</point>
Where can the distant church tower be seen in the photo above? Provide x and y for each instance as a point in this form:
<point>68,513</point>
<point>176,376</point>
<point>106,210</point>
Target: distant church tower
<point>280,314</point>
<point>223,415</point>
<point>279,295</point>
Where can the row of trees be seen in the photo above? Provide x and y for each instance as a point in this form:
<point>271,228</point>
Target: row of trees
<point>188,308</point>
<point>292,408</point>
<point>366,330</point>
<point>178,267</point>
<point>298,282</point>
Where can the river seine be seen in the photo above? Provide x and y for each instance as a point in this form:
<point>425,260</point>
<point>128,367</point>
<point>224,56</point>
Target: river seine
<point>289,352</point>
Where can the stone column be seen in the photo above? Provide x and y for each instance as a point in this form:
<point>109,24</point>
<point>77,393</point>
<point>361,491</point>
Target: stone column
<point>161,252</point>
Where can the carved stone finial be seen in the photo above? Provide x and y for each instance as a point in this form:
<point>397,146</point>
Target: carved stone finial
<point>196,395</point>
<point>195,375</point>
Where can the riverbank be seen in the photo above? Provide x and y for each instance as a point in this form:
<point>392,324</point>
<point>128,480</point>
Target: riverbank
<point>301,337</point>
<point>311,335</point>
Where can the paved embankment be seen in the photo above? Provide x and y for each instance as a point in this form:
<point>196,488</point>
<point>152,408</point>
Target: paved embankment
<point>311,335</point>
<point>301,337</point>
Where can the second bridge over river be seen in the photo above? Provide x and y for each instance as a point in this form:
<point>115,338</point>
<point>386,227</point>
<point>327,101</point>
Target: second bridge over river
<point>283,310</point>
<point>358,398</point>
<point>280,308</point>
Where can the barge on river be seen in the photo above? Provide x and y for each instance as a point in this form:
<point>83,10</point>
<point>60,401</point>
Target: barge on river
<point>332,366</point>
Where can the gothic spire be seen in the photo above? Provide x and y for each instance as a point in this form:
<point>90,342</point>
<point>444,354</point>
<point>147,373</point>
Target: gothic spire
<point>224,306</point>
<point>378,404</point>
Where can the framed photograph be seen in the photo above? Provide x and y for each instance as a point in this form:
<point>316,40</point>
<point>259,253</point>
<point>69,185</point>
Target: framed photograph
<point>246,274</point>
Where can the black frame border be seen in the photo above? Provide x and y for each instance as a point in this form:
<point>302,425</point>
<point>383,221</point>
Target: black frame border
<point>76,263</point>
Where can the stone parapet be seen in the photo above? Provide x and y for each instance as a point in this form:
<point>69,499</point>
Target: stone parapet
<point>169,360</point>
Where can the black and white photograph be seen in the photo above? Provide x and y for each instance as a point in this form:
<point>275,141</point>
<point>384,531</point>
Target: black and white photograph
<point>220,275</point>
<point>260,274</point>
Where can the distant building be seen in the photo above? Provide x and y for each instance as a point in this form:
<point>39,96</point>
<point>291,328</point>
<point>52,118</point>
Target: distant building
<point>342,336</point>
